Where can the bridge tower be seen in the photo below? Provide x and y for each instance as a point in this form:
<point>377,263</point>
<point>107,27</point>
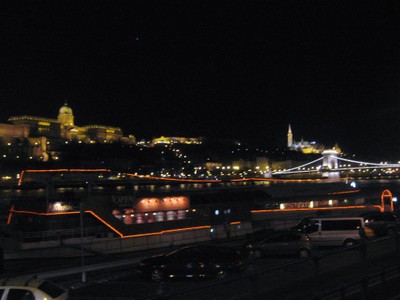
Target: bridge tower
<point>329,162</point>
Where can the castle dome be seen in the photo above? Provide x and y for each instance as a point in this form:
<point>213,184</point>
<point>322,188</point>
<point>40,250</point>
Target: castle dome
<point>65,116</point>
<point>65,109</point>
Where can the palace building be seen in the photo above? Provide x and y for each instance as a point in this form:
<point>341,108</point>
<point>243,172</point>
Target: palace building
<point>37,133</point>
<point>177,140</point>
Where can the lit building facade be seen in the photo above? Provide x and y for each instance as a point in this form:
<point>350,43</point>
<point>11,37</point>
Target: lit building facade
<point>39,132</point>
<point>177,140</point>
<point>303,146</point>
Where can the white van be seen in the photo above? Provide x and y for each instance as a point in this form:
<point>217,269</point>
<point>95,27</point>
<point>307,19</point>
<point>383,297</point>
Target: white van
<point>331,231</point>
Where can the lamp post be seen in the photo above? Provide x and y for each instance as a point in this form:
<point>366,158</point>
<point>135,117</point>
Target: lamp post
<point>81,208</point>
<point>49,194</point>
<point>81,213</point>
<point>82,253</point>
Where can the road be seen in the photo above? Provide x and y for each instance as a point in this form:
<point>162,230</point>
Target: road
<point>280,278</point>
<point>283,278</point>
<point>283,283</point>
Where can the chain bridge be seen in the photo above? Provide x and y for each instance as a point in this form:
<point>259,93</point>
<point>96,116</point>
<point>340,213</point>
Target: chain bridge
<point>331,165</point>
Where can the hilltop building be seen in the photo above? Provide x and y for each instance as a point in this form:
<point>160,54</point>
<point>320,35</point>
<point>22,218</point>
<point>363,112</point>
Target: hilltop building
<point>303,146</point>
<point>38,133</point>
<point>177,140</point>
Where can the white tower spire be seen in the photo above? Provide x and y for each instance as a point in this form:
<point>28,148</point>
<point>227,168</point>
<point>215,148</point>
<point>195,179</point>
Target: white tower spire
<point>289,138</point>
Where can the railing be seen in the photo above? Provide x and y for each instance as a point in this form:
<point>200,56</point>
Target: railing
<point>361,286</point>
<point>60,234</point>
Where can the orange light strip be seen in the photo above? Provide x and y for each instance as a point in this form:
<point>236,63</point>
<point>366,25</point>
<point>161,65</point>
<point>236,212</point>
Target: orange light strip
<point>68,170</point>
<point>105,223</point>
<point>145,234</point>
<point>386,194</point>
<point>10,215</point>
<point>167,231</point>
<point>235,223</point>
<point>113,228</point>
<point>12,210</point>
<point>174,179</point>
<point>21,175</point>
<point>180,179</point>
<point>60,171</point>
<point>344,192</point>
<point>235,180</point>
<point>9,218</point>
<point>316,208</point>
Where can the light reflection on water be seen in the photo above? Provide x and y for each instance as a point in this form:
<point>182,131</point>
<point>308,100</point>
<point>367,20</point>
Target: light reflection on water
<point>373,186</point>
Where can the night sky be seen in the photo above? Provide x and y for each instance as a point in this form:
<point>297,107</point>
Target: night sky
<point>231,69</point>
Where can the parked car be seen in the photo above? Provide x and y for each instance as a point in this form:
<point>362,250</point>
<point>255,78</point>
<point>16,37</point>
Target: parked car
<point>332,231</point>
<point>382,223</point>
<point>31,288</point>
<point>259,234</point>
<point>201,261</point>
<point>280,243</point>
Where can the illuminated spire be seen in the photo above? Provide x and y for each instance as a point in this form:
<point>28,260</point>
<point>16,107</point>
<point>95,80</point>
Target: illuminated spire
<point>289,138</point>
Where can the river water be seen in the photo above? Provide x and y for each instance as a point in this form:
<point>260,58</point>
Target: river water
<point>276,188</point>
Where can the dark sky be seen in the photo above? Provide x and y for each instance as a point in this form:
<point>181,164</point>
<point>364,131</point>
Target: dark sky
<point>233,69</point>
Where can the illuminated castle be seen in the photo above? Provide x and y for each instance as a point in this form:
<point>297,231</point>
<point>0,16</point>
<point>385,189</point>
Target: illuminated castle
<point>41,132</point>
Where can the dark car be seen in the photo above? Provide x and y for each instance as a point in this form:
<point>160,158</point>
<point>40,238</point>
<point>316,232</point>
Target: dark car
<point>193,262</point>
<point>381,223</point>
<point>259,234</point>
<point>291,243</point>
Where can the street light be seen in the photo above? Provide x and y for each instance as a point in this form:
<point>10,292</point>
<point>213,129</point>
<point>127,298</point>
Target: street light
<point>81,213</point>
